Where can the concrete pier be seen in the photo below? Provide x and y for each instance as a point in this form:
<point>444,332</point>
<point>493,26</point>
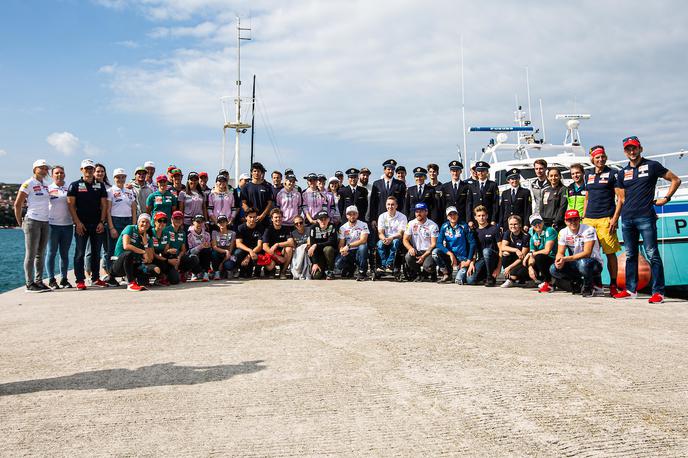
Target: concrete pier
<point>283,368</point>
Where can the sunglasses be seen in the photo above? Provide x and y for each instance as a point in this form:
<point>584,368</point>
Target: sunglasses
<point>300,223</point>
<point>630,138</point>
<point>163,220</point>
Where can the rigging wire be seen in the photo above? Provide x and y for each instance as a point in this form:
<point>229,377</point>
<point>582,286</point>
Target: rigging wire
<point>268,126</point>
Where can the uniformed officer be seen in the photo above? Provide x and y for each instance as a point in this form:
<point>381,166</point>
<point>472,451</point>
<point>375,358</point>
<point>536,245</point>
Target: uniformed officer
<point>454,193</point>
<point>352,194</point>
<point>483,192</point>
<point>474,176</point>
<point>382,189</point>
<point>515,201</point>
<point>421,192</point>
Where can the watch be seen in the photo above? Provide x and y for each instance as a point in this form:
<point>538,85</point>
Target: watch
<point>668,198</point>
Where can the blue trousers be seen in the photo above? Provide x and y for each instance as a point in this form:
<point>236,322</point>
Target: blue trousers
<point>633,229</point>
<point>484,266</point>
<point>60,238</point>
<point>388,253</point>
<point>96,242</point>
<point>358,255</point>
<point>587,269</point>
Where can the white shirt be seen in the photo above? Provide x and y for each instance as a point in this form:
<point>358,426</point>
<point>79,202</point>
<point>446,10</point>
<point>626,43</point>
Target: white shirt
<point>121,200</point>
<point>352,233</point>
<point>392,225</point>
<point>37,199</point>
<point>58,212</point>
<point>421,233</point>
<point>577,241</point>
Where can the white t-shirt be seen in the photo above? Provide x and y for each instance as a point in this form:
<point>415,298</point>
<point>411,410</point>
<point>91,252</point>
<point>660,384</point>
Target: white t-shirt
<point>577,241</point>
<point>58,213</point>
<point>37,199</point>
<point>421,233</point>
<point>121,200</point>
<point>350,233</point>
<point>391,225</point>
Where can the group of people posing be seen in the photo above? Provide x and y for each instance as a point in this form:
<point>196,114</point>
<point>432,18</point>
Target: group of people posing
<point>162,229</point>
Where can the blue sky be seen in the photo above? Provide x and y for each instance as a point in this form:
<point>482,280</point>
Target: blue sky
<point>342,83</point>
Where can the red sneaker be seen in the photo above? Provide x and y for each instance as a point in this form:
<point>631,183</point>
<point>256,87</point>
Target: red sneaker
<point>545,288</point>
<point>133,286</point>
<point>99,283</point>
<point>625,295</point>
<point>656,299</point>
<point>613,290</point>
<point>80,285</point>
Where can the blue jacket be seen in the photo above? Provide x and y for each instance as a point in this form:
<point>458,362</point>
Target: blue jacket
<point>459,240</point>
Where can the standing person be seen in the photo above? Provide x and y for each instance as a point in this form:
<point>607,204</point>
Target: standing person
<point>322,179</point>
<point>162,200</point>
<point>223,242</point>
<point>278,244</point>
<point>419,193</point>
<point>553,201</point>
<point>194,200</point>
<point>133,256</point>
<point>390,227</point>
<point>420,239</point>
<point>584,264</point>
<point>150,175</point>
<point>433,175</point>
<point>483,192</point>
<point>141,190</point>
<point>401,174</point>
<point>364,181</point>
<point>515,201</point>
<point>258,194</point>
<point>353,194</point>
<point>276,183</point>
<point>300,263</point>
<point>177,187</point>
<point>121,212</point>
<point>515,248</point>
<point>455,248</point>
<point>540,183</point>
<point>438,212</point>
<point>543,241</point>
<point>199,245</point>
<point>249,244</point>
<point>638,180</point>
<point>454,193</point>
<point>332,194</point>
<point>382,189</point>
<point>203,184</point>
<point>353,245</point>
<point>576,191</point>
<point>474,176</point>
<point>322,247</point>
<point>313,199</point>
<point>101,177</point>
<point>603,203</point>
<point>488,240</point>
<point>289,201</point>
<point>340,175</point>
<point>61,229</point>
<point>87,201</point>
<point>221,201</point>
<point>35,193</point>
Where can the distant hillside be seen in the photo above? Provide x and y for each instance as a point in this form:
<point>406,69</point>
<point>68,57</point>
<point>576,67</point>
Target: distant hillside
<point>8,192</point>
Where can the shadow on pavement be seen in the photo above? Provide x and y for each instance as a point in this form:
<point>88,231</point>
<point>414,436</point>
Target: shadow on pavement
<point>125,379</point>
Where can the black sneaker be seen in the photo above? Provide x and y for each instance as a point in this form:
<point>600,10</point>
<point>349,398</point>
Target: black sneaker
<point>112,281</point>
<point>53,284</point>
<point>575,288</point>
<point>360,276</point>
<point>586,291</point>
<point>33,288</point>
<point>42,286</point>
<point>64,283</point>
<point>490,281</point>
<point>329,275</point>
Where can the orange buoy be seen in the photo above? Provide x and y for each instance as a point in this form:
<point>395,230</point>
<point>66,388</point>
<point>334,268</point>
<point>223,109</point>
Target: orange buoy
<point>644,272</point>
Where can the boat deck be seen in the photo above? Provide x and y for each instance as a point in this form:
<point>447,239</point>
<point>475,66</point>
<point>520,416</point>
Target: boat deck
<point>340,368</point>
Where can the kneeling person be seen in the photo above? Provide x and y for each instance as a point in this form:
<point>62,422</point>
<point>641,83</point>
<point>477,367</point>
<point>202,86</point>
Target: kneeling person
<point>277,244</point>
<point>420,239</point>
<point>223,242</point>
<point>455,248</point>
<point>390,227</point>
<point>134,254</point>
<point>353,245</point>
<point>322,247</point>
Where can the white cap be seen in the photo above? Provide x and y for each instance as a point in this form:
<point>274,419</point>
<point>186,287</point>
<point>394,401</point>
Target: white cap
<point>332,180</point>
<point>143,216</point>
<point>87,163</point>
<point>149,164</point>
<point>244,176</point>
<point>535,217</point>
<point>40,163</point>
<point>119,172</point>
<point>451,209</point>
<point>351,209</point>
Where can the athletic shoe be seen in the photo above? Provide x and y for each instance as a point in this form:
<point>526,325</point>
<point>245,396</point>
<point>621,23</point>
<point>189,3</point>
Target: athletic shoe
<point>490,281</point>
<point>283,274</point>
<point>360,275</point>
<point>33,288</point>
<point>380,271</point>
<point>205,276</point>
<point>53,284</point>
<point>99,283</point>
<point>236,273</point>
<point>216,275</point>
<point>625,294</point>
<point>586,291</point>
<point>389,270</point>
<point>81,286</point>
<point>597,291</point>
<point>42,286</point>
<point>329,275</point>
<point>508,283</point>
<point>545,288</point>
<point>133,286</point>
<point>613,290</point>
<point>444,278</point>
<point>112,281</point>
<point>194,277</point>
<point>656,298</point>
<point>64,283</point>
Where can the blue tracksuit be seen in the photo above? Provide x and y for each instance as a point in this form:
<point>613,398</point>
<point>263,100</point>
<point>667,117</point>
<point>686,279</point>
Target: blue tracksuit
<point>458,239</point>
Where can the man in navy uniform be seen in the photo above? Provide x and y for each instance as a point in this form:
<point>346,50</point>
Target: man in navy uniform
<point>352,194</point>
<point>455,192</point>
<point>421,192</point>
<point>483,192</point>
<point>515,200</point>
<point>382,189</point>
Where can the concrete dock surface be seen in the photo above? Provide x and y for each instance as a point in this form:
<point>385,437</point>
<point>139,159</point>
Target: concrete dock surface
<point>290,368</point>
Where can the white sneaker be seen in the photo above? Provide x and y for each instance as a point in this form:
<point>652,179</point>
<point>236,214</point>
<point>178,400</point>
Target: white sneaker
<point>541,285</point>
<point>194,277</point>
<point>508,283</point>
<point>597,291</point>
<point>216,275</point>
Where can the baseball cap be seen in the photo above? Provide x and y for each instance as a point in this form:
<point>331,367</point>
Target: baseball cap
<point>143,216</point>
<point>400,168</point>
<point>597,150</point>
<point>149,164</point>
<point>311,176</point>
<point>192,175</point>
<point>321,177</point>
<point>222,218</point>
<point>420,206</point>
<point>223,172</point>
<point>160,215</point>
<point>535,218</point>
<point>161,178</point>
<point>365,170</point>
<point>87,163</point>
<point>244,176</point>
<point>175,171</point>
<point>40,163</point>
<point>351,209</point>
<point>571,214</point>
<point>321,214</point>
<point>119,172</point>
<point>451,210</point>
<point>177,214</point>
<point>631,141</point>
<point>203,174</point>
<point>199,218</point>
<point>290,177</point>
<point>339,173</point>
<point>221,178</point>
<point>140,168</point>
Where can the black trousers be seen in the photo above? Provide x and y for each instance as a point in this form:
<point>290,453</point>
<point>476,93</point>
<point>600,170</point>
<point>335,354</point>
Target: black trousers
<point>542,264</point>
<point>130,265</point>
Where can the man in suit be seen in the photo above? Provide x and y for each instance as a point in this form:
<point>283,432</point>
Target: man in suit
<point>352,194</point>
<point>515,201</point>
<point>483,192</point>
<point>438,213</point>
<point>421,192</point>
<point>382,189</point>
<point>454,193</point>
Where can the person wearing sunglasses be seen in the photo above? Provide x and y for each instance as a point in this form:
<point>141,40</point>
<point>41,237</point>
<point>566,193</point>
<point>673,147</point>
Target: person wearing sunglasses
<point>638,179</point>
<point>134,254</point>
<point>300,262</point>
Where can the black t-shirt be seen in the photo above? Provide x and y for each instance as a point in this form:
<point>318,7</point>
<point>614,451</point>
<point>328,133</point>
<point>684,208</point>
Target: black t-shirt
<point>88,197</point>
<point>249,236</point>
<point>323,237</point>
<point>517,241</point>
<point>257,195</point>
<point>488,237</point>
<point>272,235</point>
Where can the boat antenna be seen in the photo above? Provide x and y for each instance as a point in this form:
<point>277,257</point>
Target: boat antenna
<point>463,113</point>
<point>530,111</point>
<point>253,115</point>
<point>542,120</point>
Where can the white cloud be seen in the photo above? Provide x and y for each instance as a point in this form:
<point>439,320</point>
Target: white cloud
<point>64,142</point>
<point>3,153</point>
<point>128,44</point>
<point>107,69</point>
